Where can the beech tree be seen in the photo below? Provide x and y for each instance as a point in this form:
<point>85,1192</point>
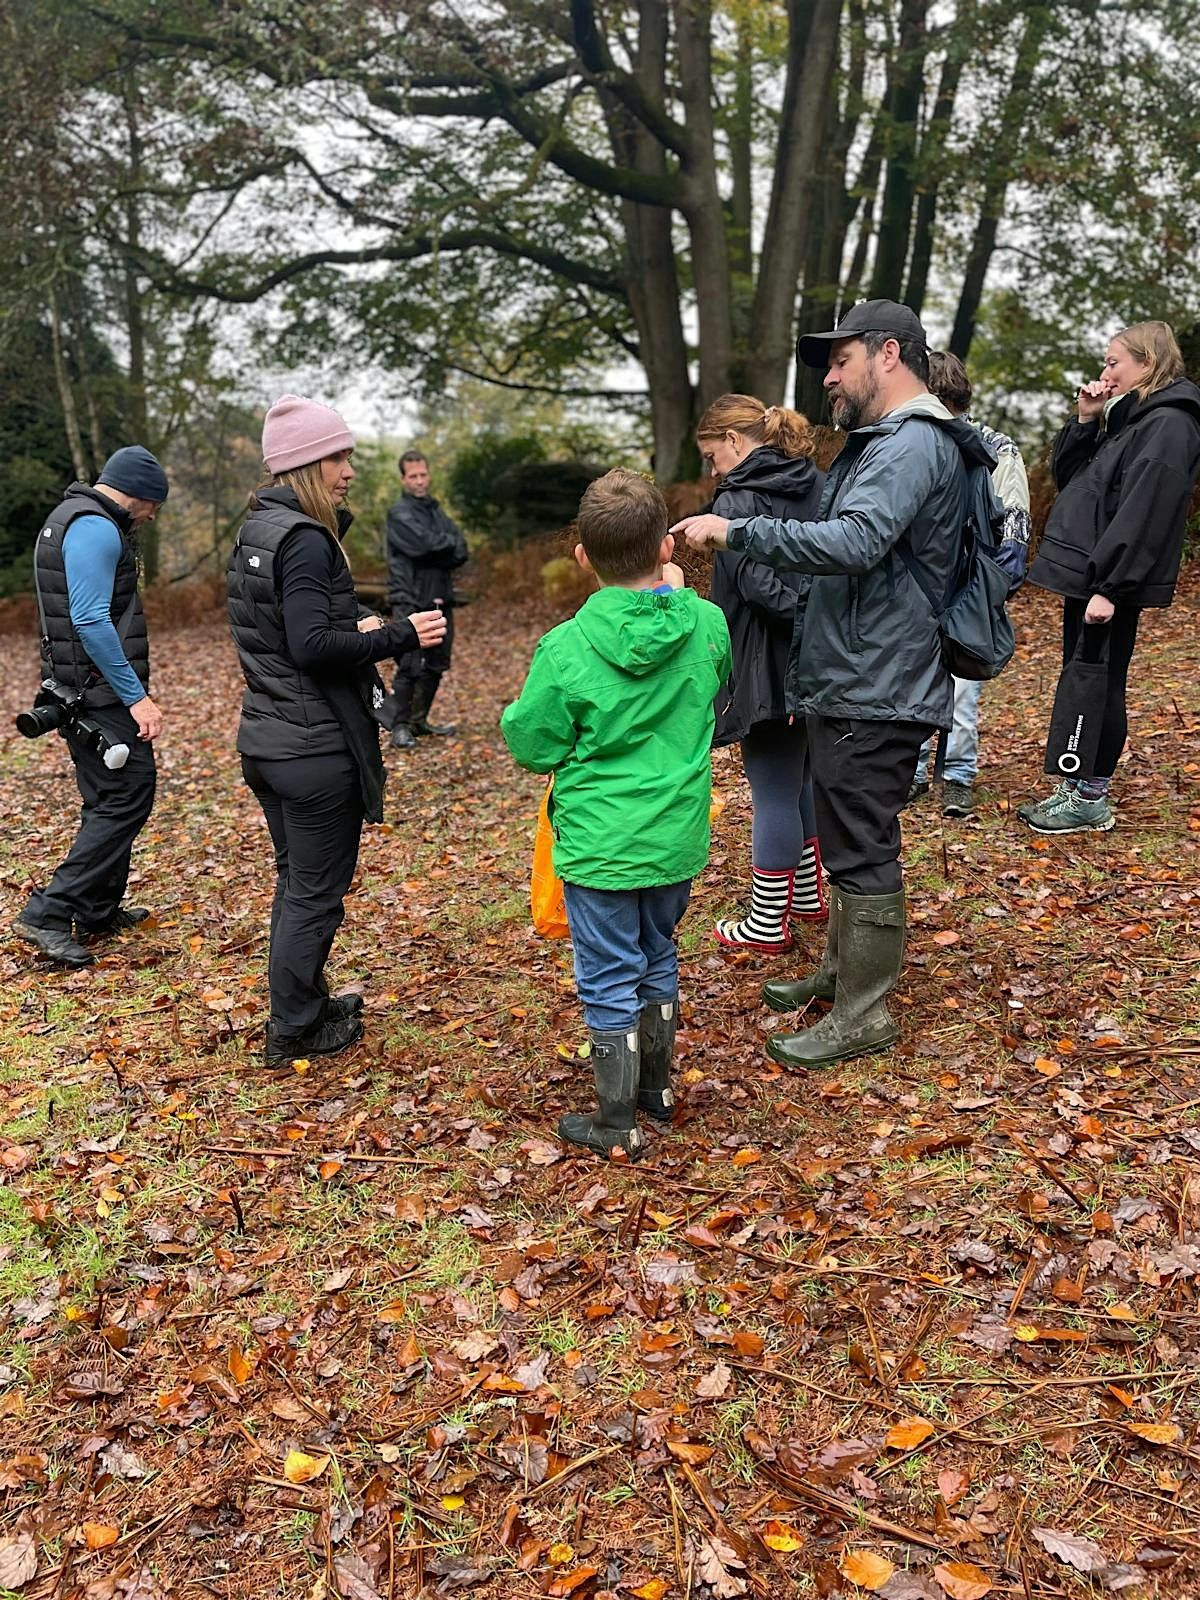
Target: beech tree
<point>637,201</point>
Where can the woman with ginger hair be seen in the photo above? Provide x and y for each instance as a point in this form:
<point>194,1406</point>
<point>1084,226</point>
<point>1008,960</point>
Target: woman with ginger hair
<point>762,457</point>
<point>1125,469</point>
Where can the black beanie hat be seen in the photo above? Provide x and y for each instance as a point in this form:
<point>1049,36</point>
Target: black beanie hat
<point>135,472</point>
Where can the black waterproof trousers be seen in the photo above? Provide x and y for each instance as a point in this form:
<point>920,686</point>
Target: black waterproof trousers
<point>861,772</point>
<point>314,810</point>
<point>88,887</point>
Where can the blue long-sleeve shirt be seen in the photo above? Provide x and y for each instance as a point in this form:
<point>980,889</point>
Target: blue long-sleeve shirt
<point>91,550</point>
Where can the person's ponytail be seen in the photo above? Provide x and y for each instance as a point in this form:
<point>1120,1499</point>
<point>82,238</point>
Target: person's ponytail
<point>788,431</point>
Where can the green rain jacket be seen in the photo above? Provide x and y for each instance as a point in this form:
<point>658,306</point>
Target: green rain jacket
<point>618,704</point>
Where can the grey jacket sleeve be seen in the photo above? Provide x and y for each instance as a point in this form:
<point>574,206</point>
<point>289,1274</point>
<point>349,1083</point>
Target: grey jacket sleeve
<point>876,506</point>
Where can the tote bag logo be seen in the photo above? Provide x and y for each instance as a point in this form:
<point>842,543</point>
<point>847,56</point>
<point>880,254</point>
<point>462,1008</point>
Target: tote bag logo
<point>1069,762</point>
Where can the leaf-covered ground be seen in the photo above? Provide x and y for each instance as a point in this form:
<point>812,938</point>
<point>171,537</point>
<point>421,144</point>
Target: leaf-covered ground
<point>923,1326</point>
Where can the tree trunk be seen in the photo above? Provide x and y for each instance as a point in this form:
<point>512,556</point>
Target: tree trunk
<point>903,107</point>
<point>137,410</point>
<point>66,394</point>
<point>808,92</point>
<point>933,147</point>
<point>651,276</point>
<point>1004,142</point>
<point>833,211</point>
<point>702,206</point>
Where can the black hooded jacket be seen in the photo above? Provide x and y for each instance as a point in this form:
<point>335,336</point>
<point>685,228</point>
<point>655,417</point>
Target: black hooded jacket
<point>1117,526</point>
<point>764,608</point>
<point>424,547</point>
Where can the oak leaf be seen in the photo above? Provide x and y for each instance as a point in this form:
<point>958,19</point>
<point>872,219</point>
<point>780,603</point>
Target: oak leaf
<point>715,1383</point>
<point>1082,1554</point>
<point>18,1560</point>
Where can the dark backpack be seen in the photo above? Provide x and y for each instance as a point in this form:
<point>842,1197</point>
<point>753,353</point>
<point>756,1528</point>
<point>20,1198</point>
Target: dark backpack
<point>976,636</point>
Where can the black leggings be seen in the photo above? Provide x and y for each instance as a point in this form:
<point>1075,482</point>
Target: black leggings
<point>1121,633</point>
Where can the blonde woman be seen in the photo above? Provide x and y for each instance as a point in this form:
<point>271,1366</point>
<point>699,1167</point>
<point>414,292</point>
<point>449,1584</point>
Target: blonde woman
<point>308,737</point>
<point>1125,469</point>
<point>760,456</point>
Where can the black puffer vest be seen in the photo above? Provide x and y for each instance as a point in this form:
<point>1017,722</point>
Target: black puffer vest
<point>284,712</point>
<point>62,655</point>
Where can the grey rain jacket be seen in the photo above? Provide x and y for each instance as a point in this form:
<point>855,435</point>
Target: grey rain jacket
<point>869,650</point>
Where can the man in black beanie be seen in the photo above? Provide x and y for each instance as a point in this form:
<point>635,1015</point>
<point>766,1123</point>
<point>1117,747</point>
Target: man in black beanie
<point>94,644</point>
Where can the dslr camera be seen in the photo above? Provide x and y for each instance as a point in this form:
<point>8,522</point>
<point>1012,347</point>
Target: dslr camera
<point>61,708</point>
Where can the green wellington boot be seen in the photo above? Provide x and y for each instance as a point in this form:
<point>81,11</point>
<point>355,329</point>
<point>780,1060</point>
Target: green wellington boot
<point>616,1068</point>
<point>656,1042</point>
<point>870,952</point>
<point>819,985</point>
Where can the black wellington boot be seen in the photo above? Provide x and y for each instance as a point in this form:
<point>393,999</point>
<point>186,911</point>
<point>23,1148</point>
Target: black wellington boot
<point>615,1068</point>
<point>870,954</point>
<point>656,1043</point>
<point>819,985</point>
<point>427,687</point>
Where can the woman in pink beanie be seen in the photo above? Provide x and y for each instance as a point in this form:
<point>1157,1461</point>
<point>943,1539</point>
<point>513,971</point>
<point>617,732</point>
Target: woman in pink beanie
<point>308,738</point>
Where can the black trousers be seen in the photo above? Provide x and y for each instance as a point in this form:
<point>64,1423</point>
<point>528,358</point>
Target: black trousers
<point>1121,634</point>
<point>314,811</point>
<point>417,664</point>
<point>861,772</point>
<point>88,887</point>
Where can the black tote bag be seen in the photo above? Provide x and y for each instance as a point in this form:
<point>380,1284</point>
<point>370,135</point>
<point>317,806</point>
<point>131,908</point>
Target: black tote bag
<point>1078,716</point>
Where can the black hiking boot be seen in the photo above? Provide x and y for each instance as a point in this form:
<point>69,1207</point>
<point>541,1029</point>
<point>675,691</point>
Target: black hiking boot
<point>56,943</point>
<point>328,1037</point>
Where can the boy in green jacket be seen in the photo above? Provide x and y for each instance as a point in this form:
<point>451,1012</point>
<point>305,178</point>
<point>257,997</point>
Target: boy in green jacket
<point>618,705</point>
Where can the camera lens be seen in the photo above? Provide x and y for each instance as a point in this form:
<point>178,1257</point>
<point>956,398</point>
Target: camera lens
<point>42,719</point>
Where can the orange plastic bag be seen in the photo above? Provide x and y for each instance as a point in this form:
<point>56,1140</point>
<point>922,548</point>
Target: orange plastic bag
<point>545,887</point>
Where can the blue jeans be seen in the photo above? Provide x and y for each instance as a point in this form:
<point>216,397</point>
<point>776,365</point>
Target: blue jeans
<point>624,945</point>
<point>962,752</point>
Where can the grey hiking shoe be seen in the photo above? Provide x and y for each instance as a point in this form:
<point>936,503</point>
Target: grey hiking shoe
<point>1047,803</point>
<point>1075,815</point>
<point>916,789</point>
<point>958,799</point>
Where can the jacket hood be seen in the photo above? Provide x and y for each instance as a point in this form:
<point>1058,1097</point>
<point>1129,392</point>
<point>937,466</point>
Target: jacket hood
<point>770,471</point>
<point>1180,392</point>
<point>636,629</point>
<point>966,435</point>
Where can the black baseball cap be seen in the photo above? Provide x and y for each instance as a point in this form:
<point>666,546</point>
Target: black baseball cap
<point>868,316</point>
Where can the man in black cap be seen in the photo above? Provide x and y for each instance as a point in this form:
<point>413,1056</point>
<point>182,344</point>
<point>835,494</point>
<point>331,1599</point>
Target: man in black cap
<point>866,665</point>
<point>94,644</point>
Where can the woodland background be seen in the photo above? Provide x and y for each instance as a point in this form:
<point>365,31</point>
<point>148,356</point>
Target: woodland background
<point>530,231</point>
<point>926,1327</point>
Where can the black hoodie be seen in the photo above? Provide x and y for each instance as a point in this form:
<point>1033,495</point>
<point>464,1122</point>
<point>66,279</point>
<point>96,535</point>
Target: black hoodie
<point>1117,526</point>
<point>760,604</point>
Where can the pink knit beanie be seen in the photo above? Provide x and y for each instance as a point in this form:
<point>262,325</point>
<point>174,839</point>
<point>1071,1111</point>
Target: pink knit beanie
<point>297,431</point>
